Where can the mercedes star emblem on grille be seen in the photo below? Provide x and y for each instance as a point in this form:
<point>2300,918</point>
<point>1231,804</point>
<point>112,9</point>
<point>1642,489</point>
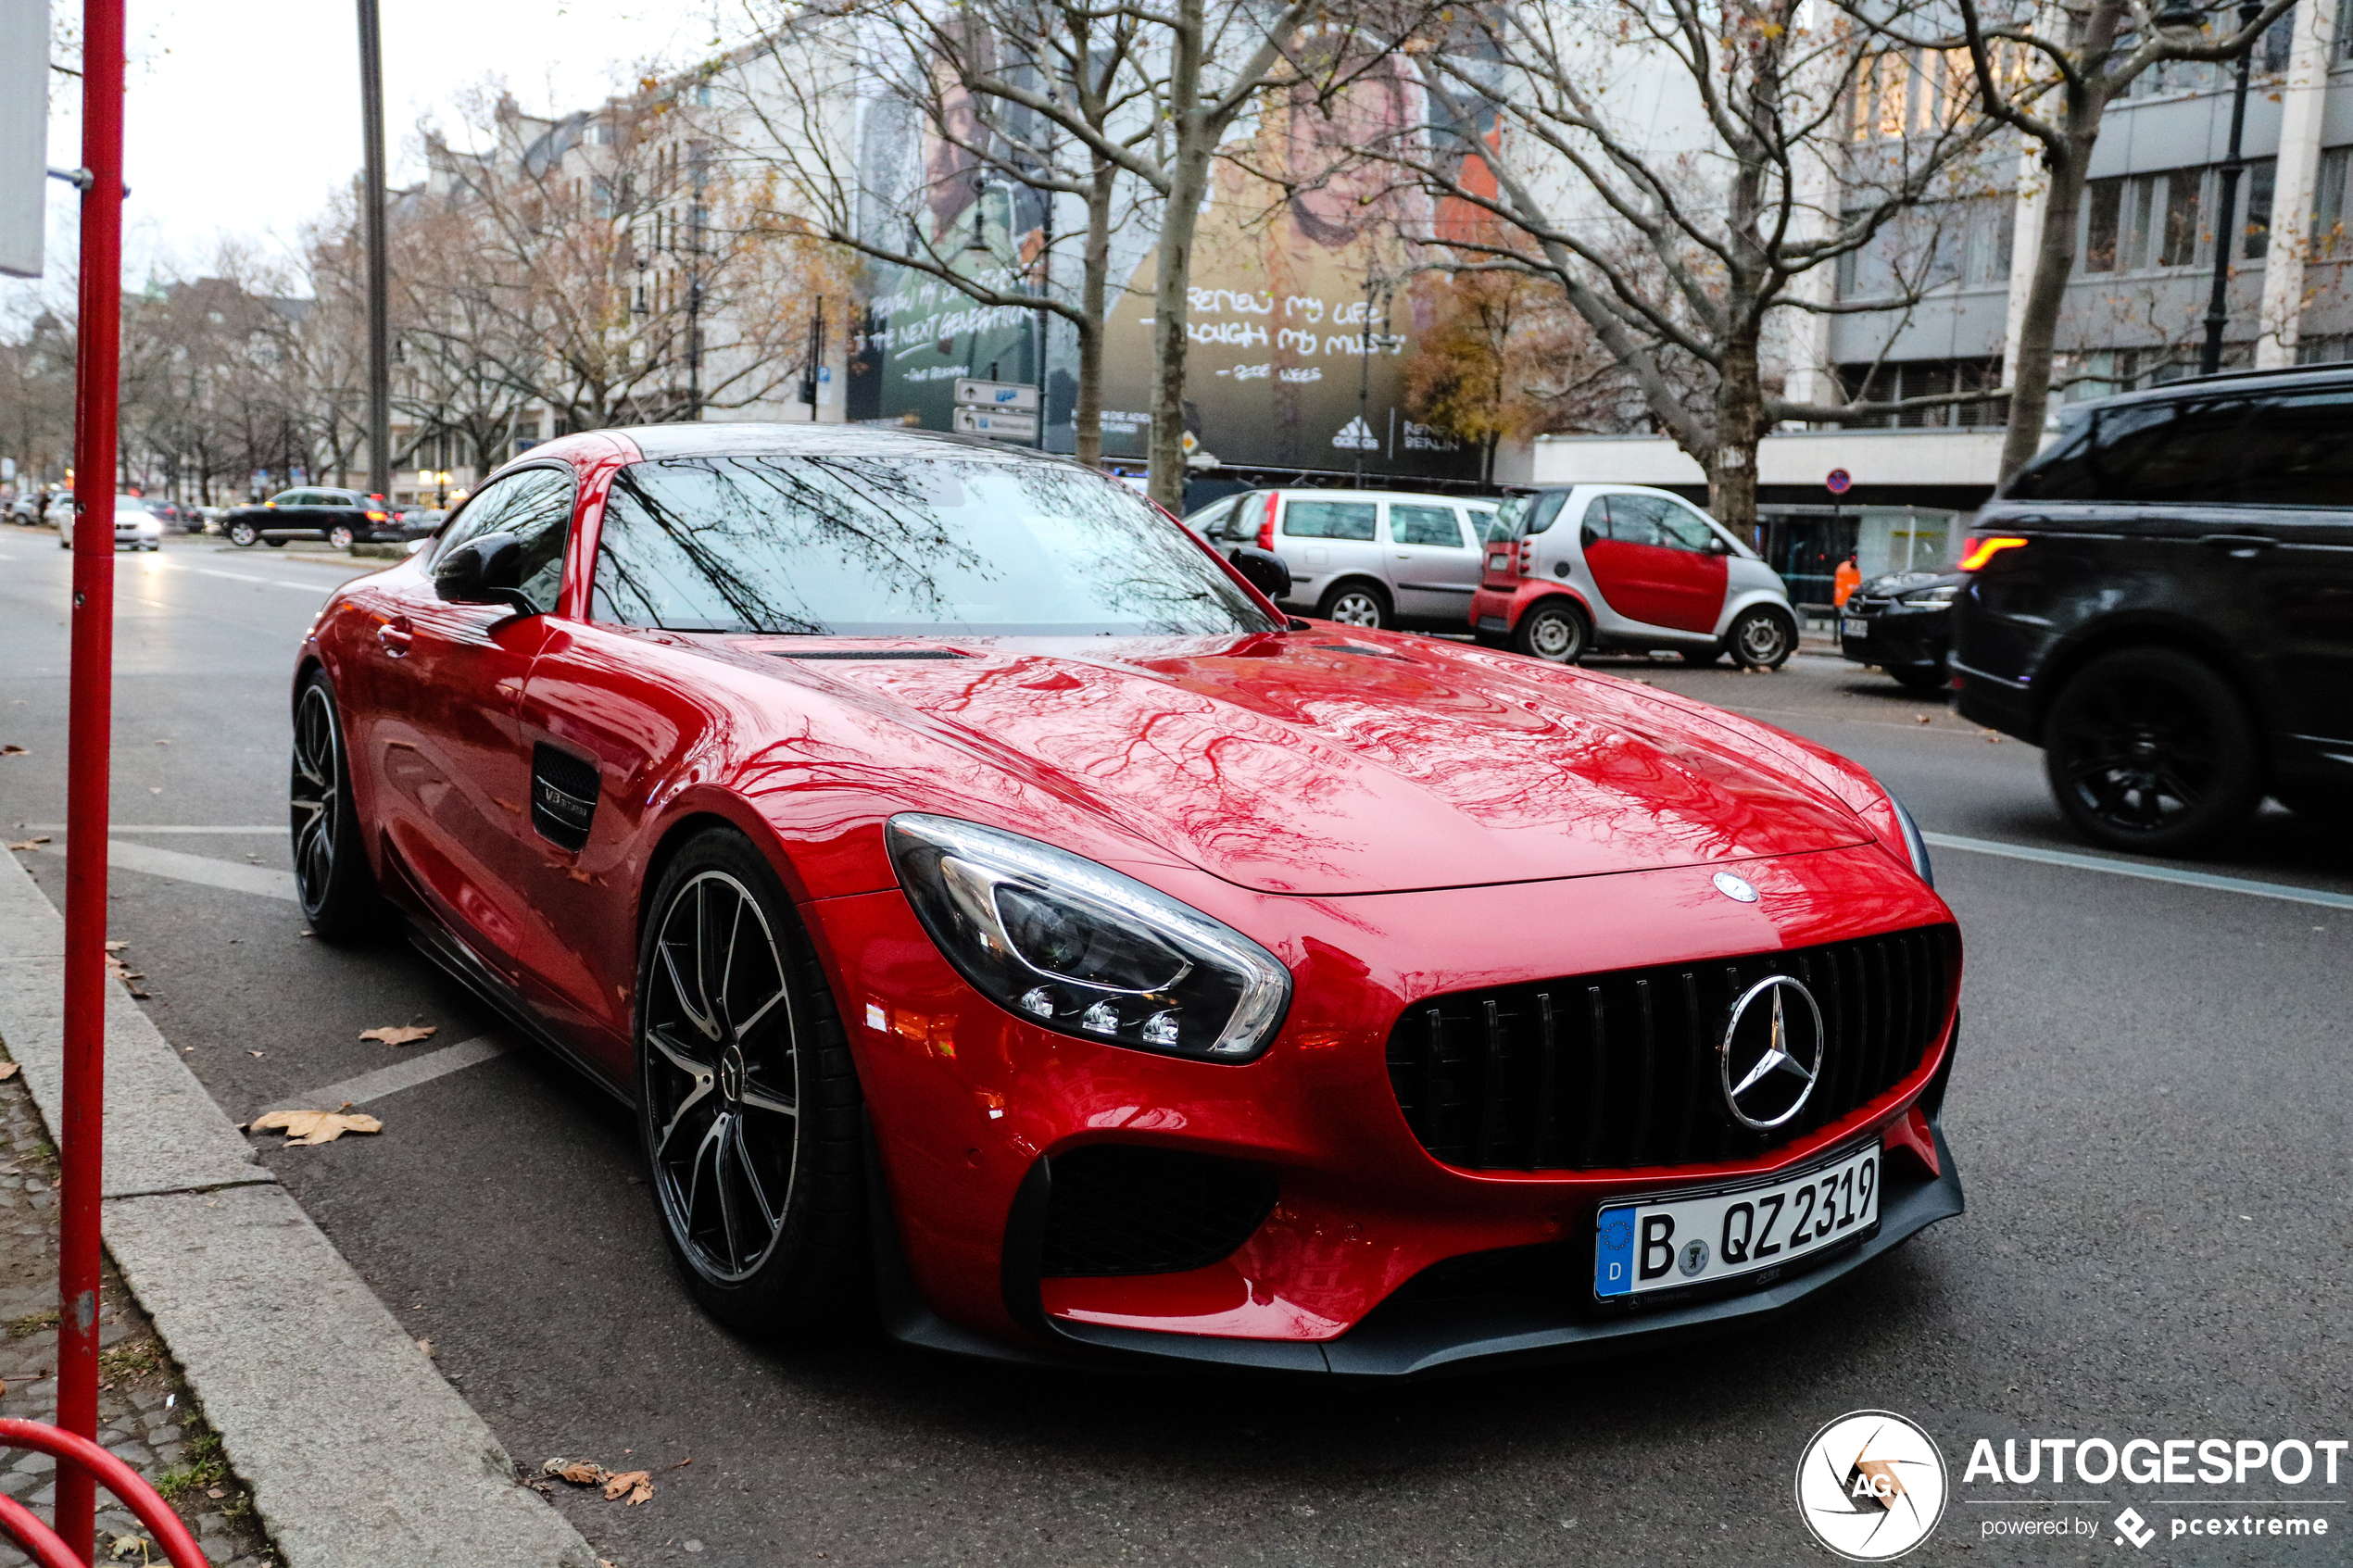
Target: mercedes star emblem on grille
<point>1736,887</point>
<point>1771,1056</point>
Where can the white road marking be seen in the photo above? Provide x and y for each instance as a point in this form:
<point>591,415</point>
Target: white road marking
<point>2281,890</point>
<point>406,1074</point>
<point>172,863</point>
<point>245,576</point>
<point>149,827</point>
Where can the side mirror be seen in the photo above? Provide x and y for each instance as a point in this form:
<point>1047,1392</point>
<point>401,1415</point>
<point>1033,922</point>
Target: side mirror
<point>1264,569</point>
<point>487,570</point>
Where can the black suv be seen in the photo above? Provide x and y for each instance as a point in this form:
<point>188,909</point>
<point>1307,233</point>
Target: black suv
<point>2162,600</point>
<point>340,516</point>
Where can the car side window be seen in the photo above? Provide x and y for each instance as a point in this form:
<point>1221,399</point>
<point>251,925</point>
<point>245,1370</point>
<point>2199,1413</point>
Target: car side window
<point>1211,522</point>
<point>1683,528</point>
<point>1487,524</point>
<point>1331,519</point>
<point>2174,451</point>
<point>2299,451</point>
<point>535,505</point>
<point>1424,525</point>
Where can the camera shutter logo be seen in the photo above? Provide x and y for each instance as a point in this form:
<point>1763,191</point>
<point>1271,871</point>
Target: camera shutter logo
<point>1871,1485</point>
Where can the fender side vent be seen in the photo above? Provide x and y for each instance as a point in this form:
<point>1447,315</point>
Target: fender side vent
<point>1118,1208</point>
<point>564,796</point>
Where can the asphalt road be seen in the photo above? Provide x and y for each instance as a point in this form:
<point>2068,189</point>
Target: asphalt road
<point>2149,1112</point>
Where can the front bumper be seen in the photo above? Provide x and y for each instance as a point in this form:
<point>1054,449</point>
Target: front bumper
<point>971,1108</point>
<point>1898,640</point>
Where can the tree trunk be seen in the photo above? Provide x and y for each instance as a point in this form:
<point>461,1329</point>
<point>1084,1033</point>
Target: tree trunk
<point>1179,216</point>
<point>1086,419</point>
<point>1731,463</point>
<point>2046,294</point>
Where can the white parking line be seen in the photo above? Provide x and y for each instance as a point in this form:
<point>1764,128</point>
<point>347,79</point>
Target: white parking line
<point>2281,890</point>
<point>204,868</point>
<point>398,1076</point>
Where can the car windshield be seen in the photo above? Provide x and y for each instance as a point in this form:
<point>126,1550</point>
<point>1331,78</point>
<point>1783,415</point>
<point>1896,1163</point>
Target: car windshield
<point>899,546</point>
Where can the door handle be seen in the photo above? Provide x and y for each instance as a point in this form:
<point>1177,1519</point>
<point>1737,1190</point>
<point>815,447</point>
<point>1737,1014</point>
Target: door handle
<point>2240,544</point>
<point>393,636</point>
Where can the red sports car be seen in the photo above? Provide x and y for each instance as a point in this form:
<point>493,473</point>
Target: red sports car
<point>993,905</point>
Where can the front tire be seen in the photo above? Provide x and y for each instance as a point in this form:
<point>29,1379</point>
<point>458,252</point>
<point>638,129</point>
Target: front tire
<point>332,879</point>
<point>1355,604</point>
<point>747,1100</point>
<point>340,537</point>
<point>1762,637</point>
<point>1555,630</point>
<point>243,533</point>
<point>2149,750</point>
<point>1923,679</point>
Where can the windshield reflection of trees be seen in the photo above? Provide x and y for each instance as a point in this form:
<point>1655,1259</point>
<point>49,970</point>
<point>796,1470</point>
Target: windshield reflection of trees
<point>818,544</point>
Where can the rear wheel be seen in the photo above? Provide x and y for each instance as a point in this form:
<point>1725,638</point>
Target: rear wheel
<point>2148,750</point>
<point>1555,630</point>
<point>1762,637</point>
<point>275,543</point>
<point>1355,604</point>
<point>748,1102</point>
<point>242,532</point>
<point>332,879</point>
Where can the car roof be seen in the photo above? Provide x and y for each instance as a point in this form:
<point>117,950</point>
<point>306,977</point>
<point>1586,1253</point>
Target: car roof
<point>745,440</point>
<point>2301,378</point>
<point>1339,494</point>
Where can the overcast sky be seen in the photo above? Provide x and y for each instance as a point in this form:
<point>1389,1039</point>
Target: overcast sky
<point>243,118</point>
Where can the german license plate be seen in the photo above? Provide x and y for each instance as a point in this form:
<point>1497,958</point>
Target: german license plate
<point>1853,626</point>
<point>1701,1237</point>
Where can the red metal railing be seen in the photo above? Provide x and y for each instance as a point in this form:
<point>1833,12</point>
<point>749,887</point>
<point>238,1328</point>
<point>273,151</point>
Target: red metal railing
<point>81,1456</point>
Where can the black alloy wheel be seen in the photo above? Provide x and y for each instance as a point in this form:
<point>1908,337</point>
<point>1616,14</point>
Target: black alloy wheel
<point>747,1100</point>
<point>341,536</point>
<point>1555,630</point>
<point>243,533</point>
<point>1762,637</point>
<point>336,889</point>
<point>1355,604</point>
<point>2150,750</point>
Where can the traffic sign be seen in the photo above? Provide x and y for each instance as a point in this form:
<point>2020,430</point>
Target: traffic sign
<point>1840,482</point>
<point>1014,394</point>
<point>996,424</point>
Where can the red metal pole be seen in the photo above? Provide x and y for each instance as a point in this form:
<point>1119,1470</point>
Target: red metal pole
<point>90,724</point>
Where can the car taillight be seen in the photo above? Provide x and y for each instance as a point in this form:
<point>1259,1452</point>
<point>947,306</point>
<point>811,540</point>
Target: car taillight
<point>1266,526</point>
<point>1976,552</point>
<point>376,517</point>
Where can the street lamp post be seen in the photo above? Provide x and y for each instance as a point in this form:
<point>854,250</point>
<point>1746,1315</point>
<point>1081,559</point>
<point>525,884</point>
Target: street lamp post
<point>2217,304</point>
<point>371,119</point>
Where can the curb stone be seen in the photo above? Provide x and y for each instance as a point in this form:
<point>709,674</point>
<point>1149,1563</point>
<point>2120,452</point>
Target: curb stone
<point>263,1315</point>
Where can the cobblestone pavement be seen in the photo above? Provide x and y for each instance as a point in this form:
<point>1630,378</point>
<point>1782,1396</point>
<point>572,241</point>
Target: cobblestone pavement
<point>146,1416</point>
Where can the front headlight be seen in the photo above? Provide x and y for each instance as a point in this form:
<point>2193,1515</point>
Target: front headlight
<point>1076,948</point>
<point>1914,844</point>
<point>1931,598</point>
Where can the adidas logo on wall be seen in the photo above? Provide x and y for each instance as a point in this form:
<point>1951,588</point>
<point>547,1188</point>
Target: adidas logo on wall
<point>1356,436</point>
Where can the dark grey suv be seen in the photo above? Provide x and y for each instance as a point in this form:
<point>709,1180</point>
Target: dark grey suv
<point>2163,601</point>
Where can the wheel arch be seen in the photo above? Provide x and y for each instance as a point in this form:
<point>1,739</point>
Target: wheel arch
<point>1741,600</point>
<point>1353,579</point>
<point>2173,633</point>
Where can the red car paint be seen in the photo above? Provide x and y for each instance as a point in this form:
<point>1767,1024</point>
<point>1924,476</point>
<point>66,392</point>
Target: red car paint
<point>1391,817</point>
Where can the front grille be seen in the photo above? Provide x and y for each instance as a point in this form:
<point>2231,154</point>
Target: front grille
<point>1604,1071</point>
<point>1118,1208</point>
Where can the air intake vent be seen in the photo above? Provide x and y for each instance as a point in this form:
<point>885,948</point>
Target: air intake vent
<point>564,796</point>
<point>1120,1209</point>
<point>1603,1072</point>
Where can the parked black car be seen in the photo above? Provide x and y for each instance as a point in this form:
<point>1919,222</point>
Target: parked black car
<point>340,516</point>
<point>1903,622</point>
<point>2163,601</point>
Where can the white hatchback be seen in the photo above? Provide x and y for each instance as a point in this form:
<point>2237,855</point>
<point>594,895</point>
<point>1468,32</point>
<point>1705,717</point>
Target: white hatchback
<point>1364,558</point>
<point>134,526</point>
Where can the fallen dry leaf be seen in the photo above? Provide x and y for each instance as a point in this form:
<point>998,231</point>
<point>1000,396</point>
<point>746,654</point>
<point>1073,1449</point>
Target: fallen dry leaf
<point>630,1488</point>
<point>579,1471</point>
<point>1919,718</point>
<point>426,1346</point>
<point>30,843</point>
<point>8,1070</point>
<point>305,1129</point>
<point>117,947</point>
<point>11,751</point>
<point>400,1034</point>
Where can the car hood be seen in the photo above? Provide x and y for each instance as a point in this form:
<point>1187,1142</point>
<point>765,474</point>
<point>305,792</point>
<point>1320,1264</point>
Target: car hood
<point>1332,764</point>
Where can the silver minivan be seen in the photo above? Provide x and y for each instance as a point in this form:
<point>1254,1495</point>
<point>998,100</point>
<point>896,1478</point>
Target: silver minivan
<point>1364,558</point>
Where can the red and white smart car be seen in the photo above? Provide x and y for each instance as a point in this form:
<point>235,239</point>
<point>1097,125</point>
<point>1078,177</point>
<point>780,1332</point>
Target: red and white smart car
<point>1590,566</point>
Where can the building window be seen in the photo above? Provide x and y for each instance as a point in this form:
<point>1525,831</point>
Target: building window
<point>1925,378</point>
<point>2332,348</point>
<point>2328,202</point>
<point>2140,220</point>
<point>2261,176</point>
<point>2279,42</point>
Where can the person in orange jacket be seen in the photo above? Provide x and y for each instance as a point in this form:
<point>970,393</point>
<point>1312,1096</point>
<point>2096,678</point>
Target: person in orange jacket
<point>1844,581</point>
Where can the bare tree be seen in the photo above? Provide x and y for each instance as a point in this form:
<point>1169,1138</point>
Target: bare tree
<point>2050,72</point>
<point>1678,253</point>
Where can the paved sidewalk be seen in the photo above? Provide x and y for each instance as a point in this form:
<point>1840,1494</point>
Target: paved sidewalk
<point>146,1415</point>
